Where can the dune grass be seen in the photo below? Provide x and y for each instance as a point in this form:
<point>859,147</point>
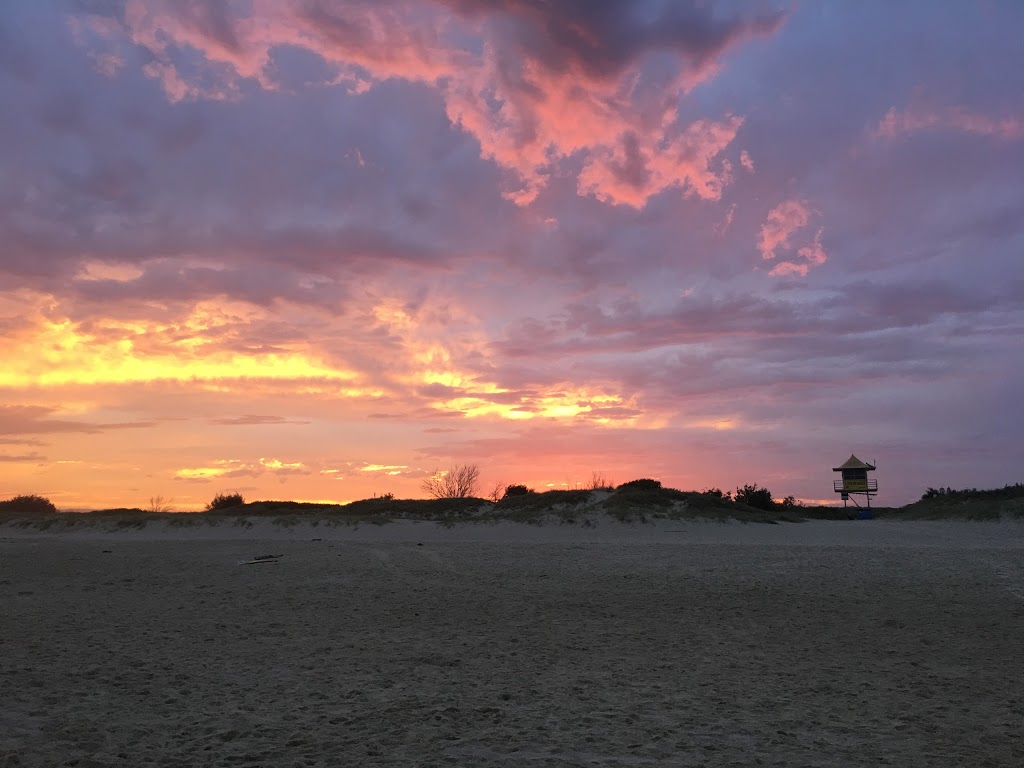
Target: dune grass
<point>636,502</point>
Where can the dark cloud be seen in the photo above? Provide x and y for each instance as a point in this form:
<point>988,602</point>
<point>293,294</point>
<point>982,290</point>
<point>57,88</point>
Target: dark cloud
<point>603,37</point>
<point>19,441</point>
<point>26,457</point>
<point>33,419</point>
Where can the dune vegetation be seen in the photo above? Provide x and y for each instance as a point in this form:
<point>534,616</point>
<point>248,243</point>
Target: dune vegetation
<point>637,501</point>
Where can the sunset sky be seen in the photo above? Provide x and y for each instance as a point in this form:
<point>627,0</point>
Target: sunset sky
<point>315,250</point>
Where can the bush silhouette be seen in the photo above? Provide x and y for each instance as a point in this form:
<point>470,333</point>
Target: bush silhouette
<point>718,493</point>
<point>643,484</point>
<point>225,501</point>
<point>31,503</point>
<point>753,496</point>
<point>517,490</point>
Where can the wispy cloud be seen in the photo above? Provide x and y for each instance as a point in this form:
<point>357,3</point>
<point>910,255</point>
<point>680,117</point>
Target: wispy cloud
<point>255,420</point>
<point>908,122</point>
<point>30,457</point>
<point>34,419</point>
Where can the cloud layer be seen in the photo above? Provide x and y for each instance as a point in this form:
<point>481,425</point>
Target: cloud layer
<point>336,246</point>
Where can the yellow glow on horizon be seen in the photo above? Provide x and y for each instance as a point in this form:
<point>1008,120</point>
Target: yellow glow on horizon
<point>59,353</point>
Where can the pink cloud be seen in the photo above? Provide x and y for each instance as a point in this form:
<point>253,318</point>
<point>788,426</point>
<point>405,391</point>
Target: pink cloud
<point>746,161</point>
<point>784,268</point>
<point>108,64</point>
<point>235,46</point>
<point>643,165</point>
<point>783,220</point>
<point>908,122</point>
<point>723,226</point>
<point>777,233</point>
<point>545,85</point>
<point>814,253</point>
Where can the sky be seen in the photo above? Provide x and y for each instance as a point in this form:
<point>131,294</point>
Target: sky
<point>311,250</point>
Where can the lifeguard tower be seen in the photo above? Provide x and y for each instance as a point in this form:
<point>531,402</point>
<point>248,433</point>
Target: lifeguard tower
<point>855,481</point>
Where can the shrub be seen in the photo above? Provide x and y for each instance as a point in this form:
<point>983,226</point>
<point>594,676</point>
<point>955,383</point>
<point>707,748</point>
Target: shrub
<point>456,483</point>
<point>789,502</point>
<point>643,484</point>
<point>753,496</point>
<point>517,490</point>
<point>159,504</point>
<point>32,503</point>
<point>225,501</point>
<point>531,505</point>
<point>494,495</point>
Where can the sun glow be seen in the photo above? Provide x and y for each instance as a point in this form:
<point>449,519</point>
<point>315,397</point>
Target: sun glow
<point>115,352</point>
<point>474,397</point>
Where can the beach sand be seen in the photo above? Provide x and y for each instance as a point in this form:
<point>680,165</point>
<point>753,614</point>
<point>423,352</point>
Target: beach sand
<point>812,644</point>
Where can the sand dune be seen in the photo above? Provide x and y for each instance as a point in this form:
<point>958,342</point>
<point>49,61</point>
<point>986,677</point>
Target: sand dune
<point>815,644</point>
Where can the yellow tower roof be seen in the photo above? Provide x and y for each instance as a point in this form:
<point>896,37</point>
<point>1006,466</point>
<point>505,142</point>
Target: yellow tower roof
<point>852,463</point>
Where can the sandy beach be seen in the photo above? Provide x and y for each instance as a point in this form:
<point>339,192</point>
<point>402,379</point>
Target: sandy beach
<point>412,644</point>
